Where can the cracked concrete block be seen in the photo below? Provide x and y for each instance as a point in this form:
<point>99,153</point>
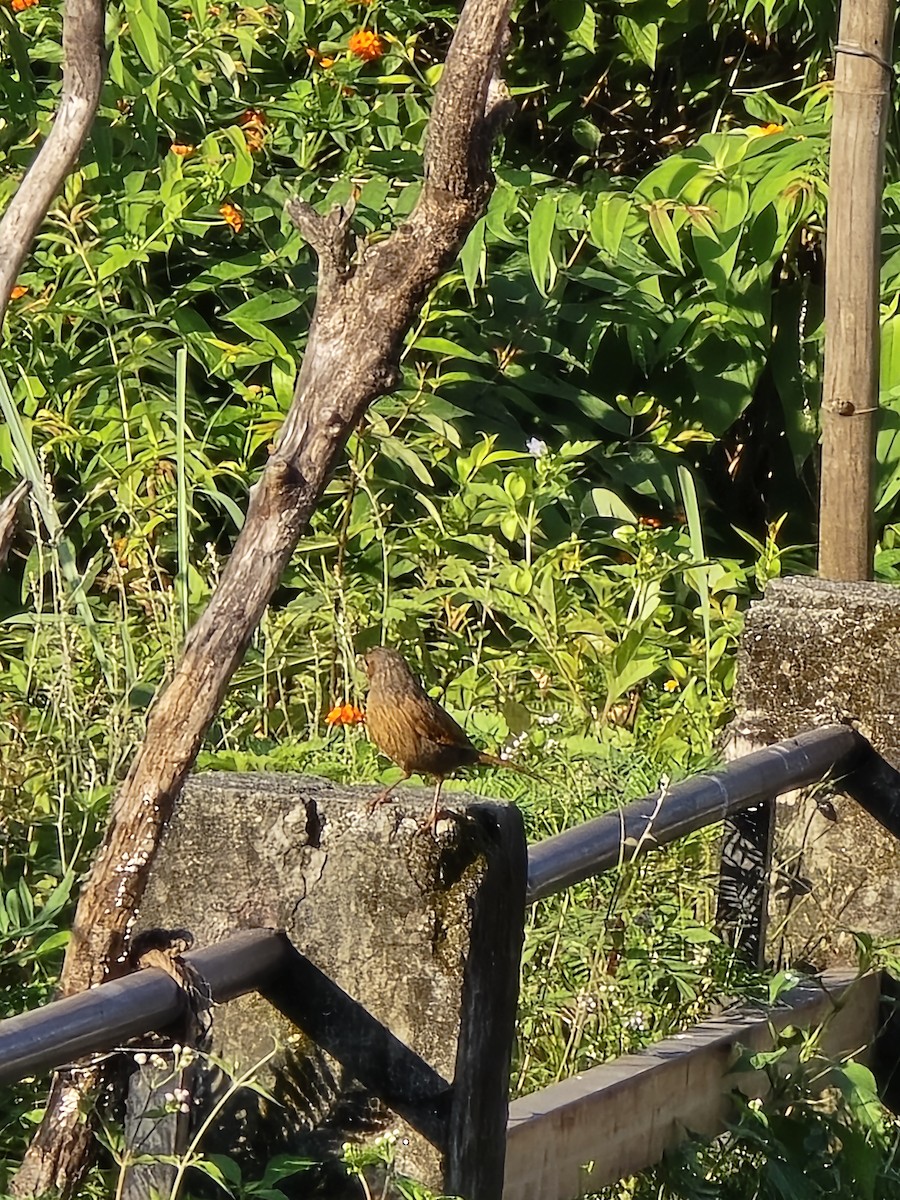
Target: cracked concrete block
<point>423,931</point>
<point>815,652</point>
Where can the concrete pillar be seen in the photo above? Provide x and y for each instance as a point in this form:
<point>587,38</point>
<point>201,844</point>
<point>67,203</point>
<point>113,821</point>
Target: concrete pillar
<point>815,652</point>
<point>406,980</point>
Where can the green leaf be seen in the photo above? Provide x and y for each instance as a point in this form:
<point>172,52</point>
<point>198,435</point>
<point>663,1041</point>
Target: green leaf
<point>58,898</point>
<point>587,134</point>
<point>268,307</point>
<point>664,231</point>
<point>54,942</point>
<point>641,39</point>
<point>239,172</point>
<point>576,19</point>
<point>607,223</point>
<point>729,203</point>
<point>118,258</point>
<point>540,240</point>
<point>603,502</point>
<point>698,576</point>
<point>400,452</point>
<point>443,346</point>
<point>473,259</point>
<point>725,368</point>
<point>143,18</point>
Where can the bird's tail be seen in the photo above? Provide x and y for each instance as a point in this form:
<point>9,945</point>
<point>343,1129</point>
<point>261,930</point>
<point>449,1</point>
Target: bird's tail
<point>491,760</point>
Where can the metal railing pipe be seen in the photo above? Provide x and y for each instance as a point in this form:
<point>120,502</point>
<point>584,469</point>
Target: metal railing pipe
<point>105,1017</point>
<point>621,835</point>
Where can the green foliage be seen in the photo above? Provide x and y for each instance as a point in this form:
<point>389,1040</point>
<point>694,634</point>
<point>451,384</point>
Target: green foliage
<point>820,1131</point>
<point>642,303</point>
<point>620,372</point>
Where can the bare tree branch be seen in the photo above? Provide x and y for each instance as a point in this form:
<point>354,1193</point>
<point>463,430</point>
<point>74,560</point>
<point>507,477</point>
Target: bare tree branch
<point>365,304</point>
<point>82,77</point>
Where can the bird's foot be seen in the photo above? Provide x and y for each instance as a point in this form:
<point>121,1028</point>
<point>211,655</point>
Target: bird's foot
<point>436,814</point>
<point>383,797</point>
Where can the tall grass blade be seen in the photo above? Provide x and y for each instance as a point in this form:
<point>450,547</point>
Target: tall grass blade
<point>59,543</point>
<point>698,575</point>
<point>182,514</point>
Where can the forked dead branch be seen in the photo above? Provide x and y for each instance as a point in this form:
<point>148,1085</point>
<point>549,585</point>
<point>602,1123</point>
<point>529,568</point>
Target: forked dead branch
<point>367,298</point>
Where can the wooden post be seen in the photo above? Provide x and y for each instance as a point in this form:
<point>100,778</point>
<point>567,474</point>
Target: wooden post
<point>850,398</point>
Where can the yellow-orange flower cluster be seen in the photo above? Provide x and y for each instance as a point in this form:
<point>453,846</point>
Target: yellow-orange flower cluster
<point>19,5</point>
<point>325,61</point>
<point>366,45</point>
<point>182,149</point>
<point>18,292</point>
<point>345,714</point>
<point>253,125</point>
<point>755,131</point>
<point>232,216</point>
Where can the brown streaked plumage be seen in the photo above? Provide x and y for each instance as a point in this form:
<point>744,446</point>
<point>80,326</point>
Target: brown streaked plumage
<point>413,730</point>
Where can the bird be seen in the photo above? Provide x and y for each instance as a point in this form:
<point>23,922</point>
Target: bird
<point>413,730</point>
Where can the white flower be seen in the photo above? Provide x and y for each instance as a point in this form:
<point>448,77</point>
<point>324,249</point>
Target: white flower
<point>535,447</point>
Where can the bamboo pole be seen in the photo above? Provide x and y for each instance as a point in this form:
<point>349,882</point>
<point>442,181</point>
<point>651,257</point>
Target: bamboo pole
<point>852,343</point>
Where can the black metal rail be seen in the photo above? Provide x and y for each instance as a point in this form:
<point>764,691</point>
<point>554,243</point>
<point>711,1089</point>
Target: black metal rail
<point>662,817</point>
<point>106,1017</point>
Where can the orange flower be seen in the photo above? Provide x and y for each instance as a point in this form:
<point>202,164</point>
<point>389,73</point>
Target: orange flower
<point>253,124</point>
<point>19,5</point>
<point>182,149</point>
<point>345,714</point>
<point>365,45</point>
<point>772,128</point>
<point>326,63</point>
<point>18,292</point>
<point>232,216</point>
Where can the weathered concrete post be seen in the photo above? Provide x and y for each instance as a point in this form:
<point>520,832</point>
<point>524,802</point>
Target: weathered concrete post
<point>398,1013</point>
<point>816,652</point>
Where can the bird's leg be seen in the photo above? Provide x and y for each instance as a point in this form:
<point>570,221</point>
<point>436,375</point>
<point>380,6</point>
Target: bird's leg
<point>384,795</point>
<point>436,811</point>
